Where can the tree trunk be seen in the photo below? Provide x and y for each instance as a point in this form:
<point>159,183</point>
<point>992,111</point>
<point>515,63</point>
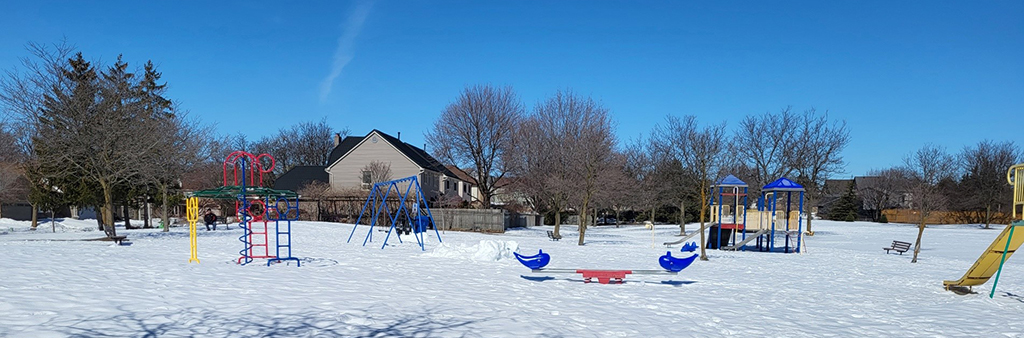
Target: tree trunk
<point>703,210</point>
<point>99,220</point>
<point>108,209</point>
<point>988,215</point>
<point>35,216</point>
<point>583,222</point>
<point>126,211</point>
<point>558,221</point>
<point>682,218</point>
<point>809,232</point>
<point>164,219</point>
<point>617,218</point>
<point>53,222</point>
<point>917,245</point>
<point>146,222</point>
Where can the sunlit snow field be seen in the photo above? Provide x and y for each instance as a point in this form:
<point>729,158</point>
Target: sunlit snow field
<point>844,284</point>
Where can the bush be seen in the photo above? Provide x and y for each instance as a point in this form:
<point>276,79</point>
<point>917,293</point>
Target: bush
<point>883,219</point>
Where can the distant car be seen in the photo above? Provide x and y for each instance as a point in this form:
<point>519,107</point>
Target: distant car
<point>605,221</point>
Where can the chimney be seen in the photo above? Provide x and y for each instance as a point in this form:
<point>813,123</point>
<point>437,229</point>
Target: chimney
<point>337,139</point>
<point>399,136</point>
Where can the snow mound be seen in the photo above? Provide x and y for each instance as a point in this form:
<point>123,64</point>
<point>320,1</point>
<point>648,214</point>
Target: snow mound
<point>486,250</point>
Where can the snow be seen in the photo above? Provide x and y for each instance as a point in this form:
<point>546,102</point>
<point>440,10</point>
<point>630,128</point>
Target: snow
<point>58,285</point>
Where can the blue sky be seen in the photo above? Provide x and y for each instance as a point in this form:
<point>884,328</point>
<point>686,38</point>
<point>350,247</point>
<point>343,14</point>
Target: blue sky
<point>900,73</point>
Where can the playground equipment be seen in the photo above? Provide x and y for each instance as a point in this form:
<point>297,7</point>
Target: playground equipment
<point>992,259</point>
<point>390,204</point>
<point>731,202</point>
<point>776,218</point>
<point>256,204</point>
<point>671,265</point>
<point>192,215</point>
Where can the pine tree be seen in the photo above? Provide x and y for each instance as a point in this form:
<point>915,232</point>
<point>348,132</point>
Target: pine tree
<point>846,208</point>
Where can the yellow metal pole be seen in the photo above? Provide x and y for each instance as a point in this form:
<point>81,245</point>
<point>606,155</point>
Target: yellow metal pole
<point>192,215</point>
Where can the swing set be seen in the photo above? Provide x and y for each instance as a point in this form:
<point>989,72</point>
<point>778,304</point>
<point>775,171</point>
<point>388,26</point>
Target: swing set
<point>397,203</point>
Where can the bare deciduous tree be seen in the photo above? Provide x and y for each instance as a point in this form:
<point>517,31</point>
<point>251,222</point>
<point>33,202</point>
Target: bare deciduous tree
<point>818,155</point>
<point>376,171</point>
<point>926,167</point>
<point>474,133</point>
<point>984,180</point>
<point>579,130</point>
<point>538,170</point>
<point>766,143</point>
<point>701,153</point>
<point>883,189</point>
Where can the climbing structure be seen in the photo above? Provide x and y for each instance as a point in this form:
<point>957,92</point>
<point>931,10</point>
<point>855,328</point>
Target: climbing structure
<point>397,203</point>
<point>729,200</point>
<point>784,223</point>
<point>243,182</point>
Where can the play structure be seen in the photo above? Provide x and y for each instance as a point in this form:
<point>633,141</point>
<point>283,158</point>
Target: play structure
<point>776,225</point>
<point>398,204</point>
<point>730,196</point>
<point>255,206</point>
<point>671,265</point>
<point>991,261</point>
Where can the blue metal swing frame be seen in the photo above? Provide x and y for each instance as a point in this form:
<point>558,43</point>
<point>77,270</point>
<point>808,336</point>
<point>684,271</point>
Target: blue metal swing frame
<point>383,191</point>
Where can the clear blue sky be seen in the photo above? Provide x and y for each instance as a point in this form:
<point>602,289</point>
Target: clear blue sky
<point>901,73</point>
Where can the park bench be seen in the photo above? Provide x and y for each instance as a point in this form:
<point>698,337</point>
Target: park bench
<point>120,240</point>
<point>552,236</point>
<point>898,246</point>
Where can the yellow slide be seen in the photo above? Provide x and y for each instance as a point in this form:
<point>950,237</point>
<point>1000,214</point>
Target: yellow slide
<point>988,263</point>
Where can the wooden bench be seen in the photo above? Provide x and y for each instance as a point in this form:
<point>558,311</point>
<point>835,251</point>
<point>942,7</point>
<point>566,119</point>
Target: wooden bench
<point>551,235</point>
<point>898,246</point>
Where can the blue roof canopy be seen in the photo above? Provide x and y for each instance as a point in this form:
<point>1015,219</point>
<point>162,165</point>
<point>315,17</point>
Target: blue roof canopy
<point>730,181</point>
<point>783,184</point>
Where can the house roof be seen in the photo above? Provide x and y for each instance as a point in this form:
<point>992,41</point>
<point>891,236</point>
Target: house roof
<point>731,181</point>
<point>461,174</point>
<point>418,156</point>
<point>783,184</point>
<point>299,176</point>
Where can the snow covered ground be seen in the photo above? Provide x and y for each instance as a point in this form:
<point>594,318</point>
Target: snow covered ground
<point>56,285</point>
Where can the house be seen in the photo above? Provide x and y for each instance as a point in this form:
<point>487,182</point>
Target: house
<point>346,167</point>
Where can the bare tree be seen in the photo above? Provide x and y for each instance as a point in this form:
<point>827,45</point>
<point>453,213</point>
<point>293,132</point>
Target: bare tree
<point>927,167</point>
<point>376,172</point>
<point>883,189</point>
<point>766,144</point>
<point>818,153</point>
<point>984,167</point>
<point>539,170</point>
<point>700,150</point>
<point>475,132</point>
<point>579,130</point>
<point>641,168</point>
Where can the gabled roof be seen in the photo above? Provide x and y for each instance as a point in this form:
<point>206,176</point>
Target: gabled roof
<point>418,156</point>
<point>461,174</point>
<point>299,176</point>
<point>731,181</point>
<point>783,184</point>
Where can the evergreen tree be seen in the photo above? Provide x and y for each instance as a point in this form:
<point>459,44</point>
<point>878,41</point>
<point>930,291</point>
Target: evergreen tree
<point>846,208</point>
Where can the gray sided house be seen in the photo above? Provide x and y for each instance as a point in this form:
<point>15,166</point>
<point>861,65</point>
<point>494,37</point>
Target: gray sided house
<point>346,164</point>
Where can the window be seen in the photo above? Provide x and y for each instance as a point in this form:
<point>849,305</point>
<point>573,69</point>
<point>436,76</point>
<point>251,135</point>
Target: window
<point>447,185</point>
<point>465,188</point>
<point>366,180</point>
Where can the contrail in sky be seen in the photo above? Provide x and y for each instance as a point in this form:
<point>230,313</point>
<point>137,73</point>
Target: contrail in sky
<point>343,54</point>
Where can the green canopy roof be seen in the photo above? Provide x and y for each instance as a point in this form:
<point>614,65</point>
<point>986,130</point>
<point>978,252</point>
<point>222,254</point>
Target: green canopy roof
<point>232,192</point>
